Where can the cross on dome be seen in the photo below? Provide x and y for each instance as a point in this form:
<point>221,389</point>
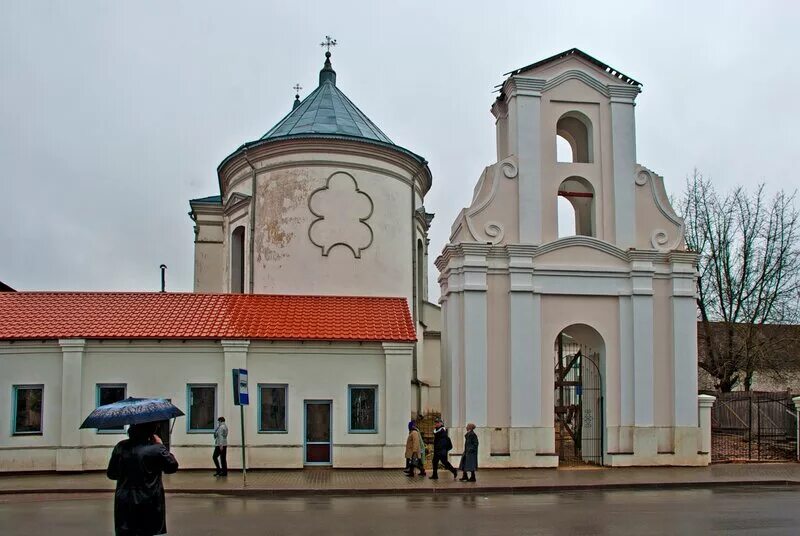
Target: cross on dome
<point>329,42</point>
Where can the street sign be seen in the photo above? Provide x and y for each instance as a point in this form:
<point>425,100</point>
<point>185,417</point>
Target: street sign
<point>240,395</point>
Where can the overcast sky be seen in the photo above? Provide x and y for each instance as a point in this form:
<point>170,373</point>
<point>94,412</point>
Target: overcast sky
<point>114,114</point>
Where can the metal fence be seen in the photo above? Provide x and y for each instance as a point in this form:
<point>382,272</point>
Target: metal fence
<point>753,426</point>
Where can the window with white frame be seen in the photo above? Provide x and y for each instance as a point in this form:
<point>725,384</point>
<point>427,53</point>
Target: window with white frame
<point>27,417</point>
<point>202,405</point>
<point>363,409</point>
<point>108,393</point>
<point>272,408</point>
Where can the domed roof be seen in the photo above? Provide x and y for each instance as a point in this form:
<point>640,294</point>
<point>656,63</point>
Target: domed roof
<point>327,111</point>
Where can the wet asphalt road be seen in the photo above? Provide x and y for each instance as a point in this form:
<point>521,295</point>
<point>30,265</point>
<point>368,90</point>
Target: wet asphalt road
<point>735,510</point>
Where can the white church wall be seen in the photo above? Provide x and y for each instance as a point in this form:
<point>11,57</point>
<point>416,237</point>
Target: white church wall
<point>287,260</point>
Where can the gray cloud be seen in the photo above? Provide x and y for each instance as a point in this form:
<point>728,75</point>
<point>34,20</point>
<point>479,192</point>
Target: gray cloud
<point>113,115</point>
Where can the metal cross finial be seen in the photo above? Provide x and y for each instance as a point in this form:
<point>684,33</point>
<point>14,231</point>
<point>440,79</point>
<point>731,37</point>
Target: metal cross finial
<point>297,88</point>
<point>329,42</point>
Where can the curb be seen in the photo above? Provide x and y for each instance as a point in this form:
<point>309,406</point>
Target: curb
<point>494,490</point>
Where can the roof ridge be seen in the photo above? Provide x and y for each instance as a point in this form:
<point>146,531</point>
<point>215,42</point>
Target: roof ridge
<point>189,293</point>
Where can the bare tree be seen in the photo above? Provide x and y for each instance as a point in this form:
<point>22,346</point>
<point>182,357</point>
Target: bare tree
<point>749,276</point>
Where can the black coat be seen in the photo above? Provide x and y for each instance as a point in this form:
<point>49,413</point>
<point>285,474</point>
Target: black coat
<point>441,442</point>
<point>469,461</point>
<point>139,508</point>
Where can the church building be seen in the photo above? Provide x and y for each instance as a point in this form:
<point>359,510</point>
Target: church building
<point>309,273</point>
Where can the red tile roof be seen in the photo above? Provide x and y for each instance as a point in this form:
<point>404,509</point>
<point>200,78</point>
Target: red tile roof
<point>141,315</point>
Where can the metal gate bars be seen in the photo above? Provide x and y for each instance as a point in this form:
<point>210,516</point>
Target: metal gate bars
<point>578,403</point>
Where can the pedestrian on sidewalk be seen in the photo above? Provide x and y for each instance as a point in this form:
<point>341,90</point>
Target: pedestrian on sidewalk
<point>221,447</point>
<point>469,460</point>
<point>136,464</point>
<point>441,446</point>
<point>414,451</point>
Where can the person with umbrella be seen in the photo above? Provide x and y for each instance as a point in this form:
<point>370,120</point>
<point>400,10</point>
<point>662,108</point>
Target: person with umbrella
<point>137,464</point>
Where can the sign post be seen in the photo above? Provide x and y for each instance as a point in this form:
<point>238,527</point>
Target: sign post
<point>241,398</point>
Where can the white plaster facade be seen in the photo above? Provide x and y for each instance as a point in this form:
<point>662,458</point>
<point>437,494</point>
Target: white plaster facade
<point>71,369</point>
<point>625,285</point>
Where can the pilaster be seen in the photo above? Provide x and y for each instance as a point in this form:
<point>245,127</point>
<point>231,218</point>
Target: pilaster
<point>524,97</point>
<point>623,143</point>
<point>644,441</point>
<point>627,385</point>
<point>475,336</point>
<point>397,396</point>
<point>525,324</point>
<point>235,356</point>
<point>684,343</point>
<point>70,455</point>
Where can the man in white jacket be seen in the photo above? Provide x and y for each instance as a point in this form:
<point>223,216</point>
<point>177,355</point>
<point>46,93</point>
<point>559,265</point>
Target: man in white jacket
<point>221,447</point>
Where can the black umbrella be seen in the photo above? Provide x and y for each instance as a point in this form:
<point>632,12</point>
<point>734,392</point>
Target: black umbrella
<point>131,411</point>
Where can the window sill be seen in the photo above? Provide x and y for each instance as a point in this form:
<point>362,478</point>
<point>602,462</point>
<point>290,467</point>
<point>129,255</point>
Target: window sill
<point>362,431</point>
<point>27,434</point>
<point>203,431</point>
<point>273,431</point>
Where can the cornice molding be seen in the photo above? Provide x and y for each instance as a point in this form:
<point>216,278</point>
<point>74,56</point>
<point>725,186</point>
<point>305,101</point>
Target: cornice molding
<point>624,94</point>
<point>585,241</point>
<point>267,150</point>
<point>523,86</point>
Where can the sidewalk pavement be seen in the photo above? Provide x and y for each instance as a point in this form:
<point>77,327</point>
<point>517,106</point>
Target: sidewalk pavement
<point>393,482</point>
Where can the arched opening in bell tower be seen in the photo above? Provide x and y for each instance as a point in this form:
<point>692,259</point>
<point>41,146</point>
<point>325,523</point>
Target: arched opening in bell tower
<point>576,203</point>
<point>575,129</point>
<point>579,352</point>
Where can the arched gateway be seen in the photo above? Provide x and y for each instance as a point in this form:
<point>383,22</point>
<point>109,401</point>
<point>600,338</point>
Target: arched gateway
<point>514,294</point>
<point>579,404</point>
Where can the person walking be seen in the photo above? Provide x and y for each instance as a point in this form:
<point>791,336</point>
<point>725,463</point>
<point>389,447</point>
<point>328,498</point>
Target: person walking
<point>137,464</point>
<point>414,451</point>
<point>441,446</point>
<point>469,460</point>
<point>221,447</point>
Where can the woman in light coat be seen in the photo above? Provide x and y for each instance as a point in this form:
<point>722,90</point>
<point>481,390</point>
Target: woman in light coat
<point>469,461</point>
<point>414,448</point>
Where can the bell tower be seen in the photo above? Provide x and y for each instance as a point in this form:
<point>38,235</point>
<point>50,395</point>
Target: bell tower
<point>529,316</point>
<point>590,106</point>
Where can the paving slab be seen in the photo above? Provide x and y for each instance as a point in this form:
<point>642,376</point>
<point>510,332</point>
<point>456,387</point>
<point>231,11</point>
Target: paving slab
<point>394,482</point>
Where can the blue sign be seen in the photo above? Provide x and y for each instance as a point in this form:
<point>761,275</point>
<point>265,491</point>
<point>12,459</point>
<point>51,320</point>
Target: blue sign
<point>240,395</point>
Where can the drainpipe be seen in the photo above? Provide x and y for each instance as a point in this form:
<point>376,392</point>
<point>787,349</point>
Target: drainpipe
<point>252,220</point>
<point>417,314</point>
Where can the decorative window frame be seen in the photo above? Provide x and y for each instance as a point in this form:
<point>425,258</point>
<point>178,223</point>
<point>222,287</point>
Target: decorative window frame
<point>189,429</point>
<point>285,387</point>
<point>98,386</point>
<point>350,408</point>
<point>15,388</point>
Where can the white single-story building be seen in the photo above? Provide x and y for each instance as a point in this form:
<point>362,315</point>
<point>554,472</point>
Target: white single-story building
<point>329,376</point>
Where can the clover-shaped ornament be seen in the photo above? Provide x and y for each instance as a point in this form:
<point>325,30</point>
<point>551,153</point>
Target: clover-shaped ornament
<point>341,211</point>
